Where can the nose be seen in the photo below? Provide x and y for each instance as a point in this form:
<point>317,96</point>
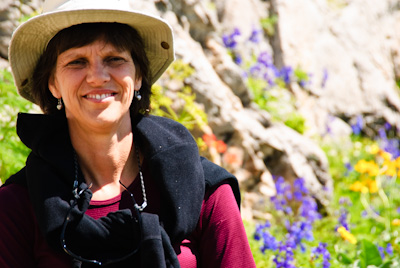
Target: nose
<point>97,73</point>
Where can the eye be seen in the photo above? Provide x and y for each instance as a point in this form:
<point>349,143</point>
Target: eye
<point>115,60</point>
<point>76,63</point>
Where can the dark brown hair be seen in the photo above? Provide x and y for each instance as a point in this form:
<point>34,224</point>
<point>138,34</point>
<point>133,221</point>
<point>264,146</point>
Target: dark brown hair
<point>121,36</point>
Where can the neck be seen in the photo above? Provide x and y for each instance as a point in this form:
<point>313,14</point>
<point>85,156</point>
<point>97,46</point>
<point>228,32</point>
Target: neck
<point>106,158</point>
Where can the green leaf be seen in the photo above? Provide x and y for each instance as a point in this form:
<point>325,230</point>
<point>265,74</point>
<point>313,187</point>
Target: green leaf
<point>369,254</point>
<point>343,258</point>
<point>386,265</point>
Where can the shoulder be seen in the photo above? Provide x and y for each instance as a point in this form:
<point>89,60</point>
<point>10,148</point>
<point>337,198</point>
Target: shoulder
<point>160,134</point>
<point>13,196</point>
<point>219,202</point>
<point>221,232</point>
<point>20,235</point>
<point>214,175</point>
<point>16,225</point>
<point>156,125</point>
<point>15,208</point>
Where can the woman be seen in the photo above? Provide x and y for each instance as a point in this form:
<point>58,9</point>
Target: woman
<point>107,184</point>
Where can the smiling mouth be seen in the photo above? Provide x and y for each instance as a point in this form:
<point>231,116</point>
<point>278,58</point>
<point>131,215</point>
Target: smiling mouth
<point>99,96</point>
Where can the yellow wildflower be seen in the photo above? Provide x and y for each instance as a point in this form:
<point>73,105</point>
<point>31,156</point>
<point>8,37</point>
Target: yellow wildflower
<point>365,186</point>
<point>361,166</point>
<point>373,169</point>
<point>386,156</point>
<point>391,169</point>
<point>357,186</point>
<point>397,161</point>
<point>374,149</point>
<point>372,186</point>
<point>364,189</point>
<point>346,235</point>
<point>396,222</point>
<point>369,167</point>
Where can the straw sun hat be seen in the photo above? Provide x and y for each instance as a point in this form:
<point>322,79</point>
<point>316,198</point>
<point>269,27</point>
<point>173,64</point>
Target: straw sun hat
<point>30,39</point>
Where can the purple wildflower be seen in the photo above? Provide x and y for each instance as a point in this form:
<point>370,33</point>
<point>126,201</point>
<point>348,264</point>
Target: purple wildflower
<point>269,79</point>
<point>259,230</point>
<point>283,193</point>
<point>389,249</point>
<point>230,41</point>
<point>238,59</point>
<point>389,145</point>
<point>358,126</point>
<point>299,188</point>
<point>381,251</point>
<point>343,218</point>
<point>280,186</point>
<point>330,119</point>
<point>255,35</point>
<point>269,241</point>
<point>265,59</point>
<point>309,209</point>
<point>324,77</point>
<point>284,258</point>
<point>255,70</point>
<point>285,74</point>
<point>321,250</point>
<point>349,168</point>
<point>382,134</point>
<point>387,126</point>
<point>297,232</point>
<point>364,213</point>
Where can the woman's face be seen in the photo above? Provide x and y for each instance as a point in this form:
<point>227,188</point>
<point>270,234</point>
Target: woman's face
<point>97,84</point>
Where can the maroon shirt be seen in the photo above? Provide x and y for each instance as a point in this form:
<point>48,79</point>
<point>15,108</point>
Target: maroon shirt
<point>218,241</point>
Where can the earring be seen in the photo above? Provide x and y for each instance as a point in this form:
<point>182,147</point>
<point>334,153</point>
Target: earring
<point>137,95</point>
<point>59,104</point>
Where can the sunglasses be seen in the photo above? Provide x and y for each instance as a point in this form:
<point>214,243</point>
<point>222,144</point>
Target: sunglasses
<point>67,219</point>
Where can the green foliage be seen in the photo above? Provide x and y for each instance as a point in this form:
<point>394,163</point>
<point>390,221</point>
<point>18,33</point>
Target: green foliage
<point>12,152</point>
<point>296,121</point>
<point>301,76</point>
<point>338,4</point>
<point>369,254</point>
<point>268,24</point>
<point>278,101</point>
<point>188,112</point>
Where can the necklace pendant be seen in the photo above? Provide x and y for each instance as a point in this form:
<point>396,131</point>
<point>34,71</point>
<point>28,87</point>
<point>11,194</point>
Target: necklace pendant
<point>142,207</point>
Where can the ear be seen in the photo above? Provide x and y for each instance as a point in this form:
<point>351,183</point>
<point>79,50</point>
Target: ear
<point>138,83</point>
<point>53,88</point>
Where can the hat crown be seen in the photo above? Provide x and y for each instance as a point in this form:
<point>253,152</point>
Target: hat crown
<point>64,5</point>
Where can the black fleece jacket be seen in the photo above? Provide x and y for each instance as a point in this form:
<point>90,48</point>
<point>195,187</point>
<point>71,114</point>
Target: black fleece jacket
<point>175,164</point>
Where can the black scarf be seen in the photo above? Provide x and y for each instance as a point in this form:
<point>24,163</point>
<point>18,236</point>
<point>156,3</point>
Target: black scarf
<point>174,163</point>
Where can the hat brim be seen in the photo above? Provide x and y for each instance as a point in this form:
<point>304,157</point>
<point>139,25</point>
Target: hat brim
<point>30,40</point>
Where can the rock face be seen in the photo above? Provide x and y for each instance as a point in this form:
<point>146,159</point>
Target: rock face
<point>351,50</point>
<point>357,44</point>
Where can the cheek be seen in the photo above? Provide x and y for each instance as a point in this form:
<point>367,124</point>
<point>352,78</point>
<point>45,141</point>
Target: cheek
<point>129,85</point>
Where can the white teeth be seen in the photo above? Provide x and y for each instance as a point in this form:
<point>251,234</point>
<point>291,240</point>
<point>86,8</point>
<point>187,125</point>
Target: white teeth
<point>99,96</point>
